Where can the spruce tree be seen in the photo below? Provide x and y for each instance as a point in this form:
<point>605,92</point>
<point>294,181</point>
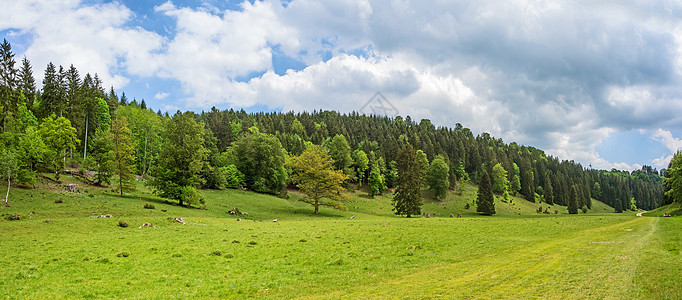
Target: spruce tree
<point>407,200</point>
<point>573,201</point>
<point>485,203</point>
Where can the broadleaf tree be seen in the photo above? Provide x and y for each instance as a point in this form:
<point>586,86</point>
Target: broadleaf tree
<point>315,176</point>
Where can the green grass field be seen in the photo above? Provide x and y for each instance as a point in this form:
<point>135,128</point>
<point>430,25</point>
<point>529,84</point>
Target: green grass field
<point>515,254</point>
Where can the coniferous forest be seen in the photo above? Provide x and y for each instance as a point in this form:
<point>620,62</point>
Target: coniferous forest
<point>74,122</point>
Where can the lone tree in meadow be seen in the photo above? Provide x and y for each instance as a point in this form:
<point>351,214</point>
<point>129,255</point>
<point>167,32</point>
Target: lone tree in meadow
<point>315,176</point>
<point>485,203</point>
<point>407,200</point>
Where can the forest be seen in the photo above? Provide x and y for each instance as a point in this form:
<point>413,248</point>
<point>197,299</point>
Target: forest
<point>74,123</point>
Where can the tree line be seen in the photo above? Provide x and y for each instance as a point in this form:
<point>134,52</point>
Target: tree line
<point>72,121</point>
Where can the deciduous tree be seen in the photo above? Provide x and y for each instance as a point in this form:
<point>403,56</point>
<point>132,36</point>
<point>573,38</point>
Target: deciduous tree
<point>315,176</point>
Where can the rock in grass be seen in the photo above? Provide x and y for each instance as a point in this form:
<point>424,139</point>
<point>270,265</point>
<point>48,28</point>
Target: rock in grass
<point>14,217</point>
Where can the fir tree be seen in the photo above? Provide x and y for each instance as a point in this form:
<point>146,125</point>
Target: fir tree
<point>407,200</point>
<point>485,203</point>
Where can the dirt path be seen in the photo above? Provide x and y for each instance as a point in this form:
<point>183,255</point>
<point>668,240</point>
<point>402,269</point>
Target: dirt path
<point>639,214</point>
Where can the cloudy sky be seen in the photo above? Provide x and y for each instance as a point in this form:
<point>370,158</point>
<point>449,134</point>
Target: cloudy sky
<point>597,83</point>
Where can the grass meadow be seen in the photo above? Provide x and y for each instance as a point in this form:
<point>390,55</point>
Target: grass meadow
<point>515,254</point>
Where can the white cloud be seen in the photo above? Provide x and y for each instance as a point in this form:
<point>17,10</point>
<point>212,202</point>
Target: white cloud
<point>161,95</point>
<point>666,138</point>
<point>93,38</point>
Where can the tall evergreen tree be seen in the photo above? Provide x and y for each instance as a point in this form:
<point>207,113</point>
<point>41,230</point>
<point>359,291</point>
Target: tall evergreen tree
<point>485,202</point>
<point>27,83</point>
<point>181,160</point>
<point>123,159</point>
<point>407,200</point>
<point>573,200</point>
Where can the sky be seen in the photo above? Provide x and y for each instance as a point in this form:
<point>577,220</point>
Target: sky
<point>598,82</point>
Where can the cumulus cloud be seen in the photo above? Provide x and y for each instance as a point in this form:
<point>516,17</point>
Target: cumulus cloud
<point>94,38</point>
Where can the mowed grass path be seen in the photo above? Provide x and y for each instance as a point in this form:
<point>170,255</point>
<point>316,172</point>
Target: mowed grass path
<point>329,256</point>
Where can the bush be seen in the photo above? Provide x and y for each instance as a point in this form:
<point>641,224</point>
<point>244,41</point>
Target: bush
<point>149,206</point>
<point>122,223</point>
<point>467,206</point>
<point>584,209</point>
<point>191,196</point>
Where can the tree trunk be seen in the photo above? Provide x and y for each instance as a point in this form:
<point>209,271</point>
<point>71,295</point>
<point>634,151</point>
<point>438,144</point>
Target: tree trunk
<point>144,159</point>
<point>317,204</point>
<point>7,195</point>
<point>85,144</point>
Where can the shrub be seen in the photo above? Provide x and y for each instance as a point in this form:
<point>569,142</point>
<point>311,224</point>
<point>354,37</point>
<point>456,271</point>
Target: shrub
<point>556,211</point>
<point>467,206</point>
<point>149,206</point>
<point>584,209</point>
<point>122,223</point>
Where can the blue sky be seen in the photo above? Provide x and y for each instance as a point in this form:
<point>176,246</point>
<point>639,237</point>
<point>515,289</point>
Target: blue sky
<point>596,82</point>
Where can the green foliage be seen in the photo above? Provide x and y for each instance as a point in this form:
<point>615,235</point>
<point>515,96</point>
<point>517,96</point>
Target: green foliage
<point>59,137</point>
<point>103,116</point>
<point>460,173</point>
<point>423,162</point>
<point>391,174</point>
<point>673,179</point>
<point>233,178</point>
<point>101,156</point>
<point>377,183</point>
<point>596,191</point>
<point>516,180</point>
<point>360,163</point>
<point>190,196</point>
<point>261,158</point>
<point>315,176</point>
<point>340,153</point>
<point>123,159</point>
<point>499,177</point>
<point>438,177</point>
<point>485,203</point>
<point>407,200</point>
<point>573,201</point>
<point>180,160</point>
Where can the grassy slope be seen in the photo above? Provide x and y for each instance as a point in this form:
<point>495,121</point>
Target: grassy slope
<point>671,209</point>
<point>376,254</point>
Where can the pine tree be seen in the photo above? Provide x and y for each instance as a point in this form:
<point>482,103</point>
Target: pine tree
<point>123,159</point>
<point>407,200</point>
<point>485,202</point>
